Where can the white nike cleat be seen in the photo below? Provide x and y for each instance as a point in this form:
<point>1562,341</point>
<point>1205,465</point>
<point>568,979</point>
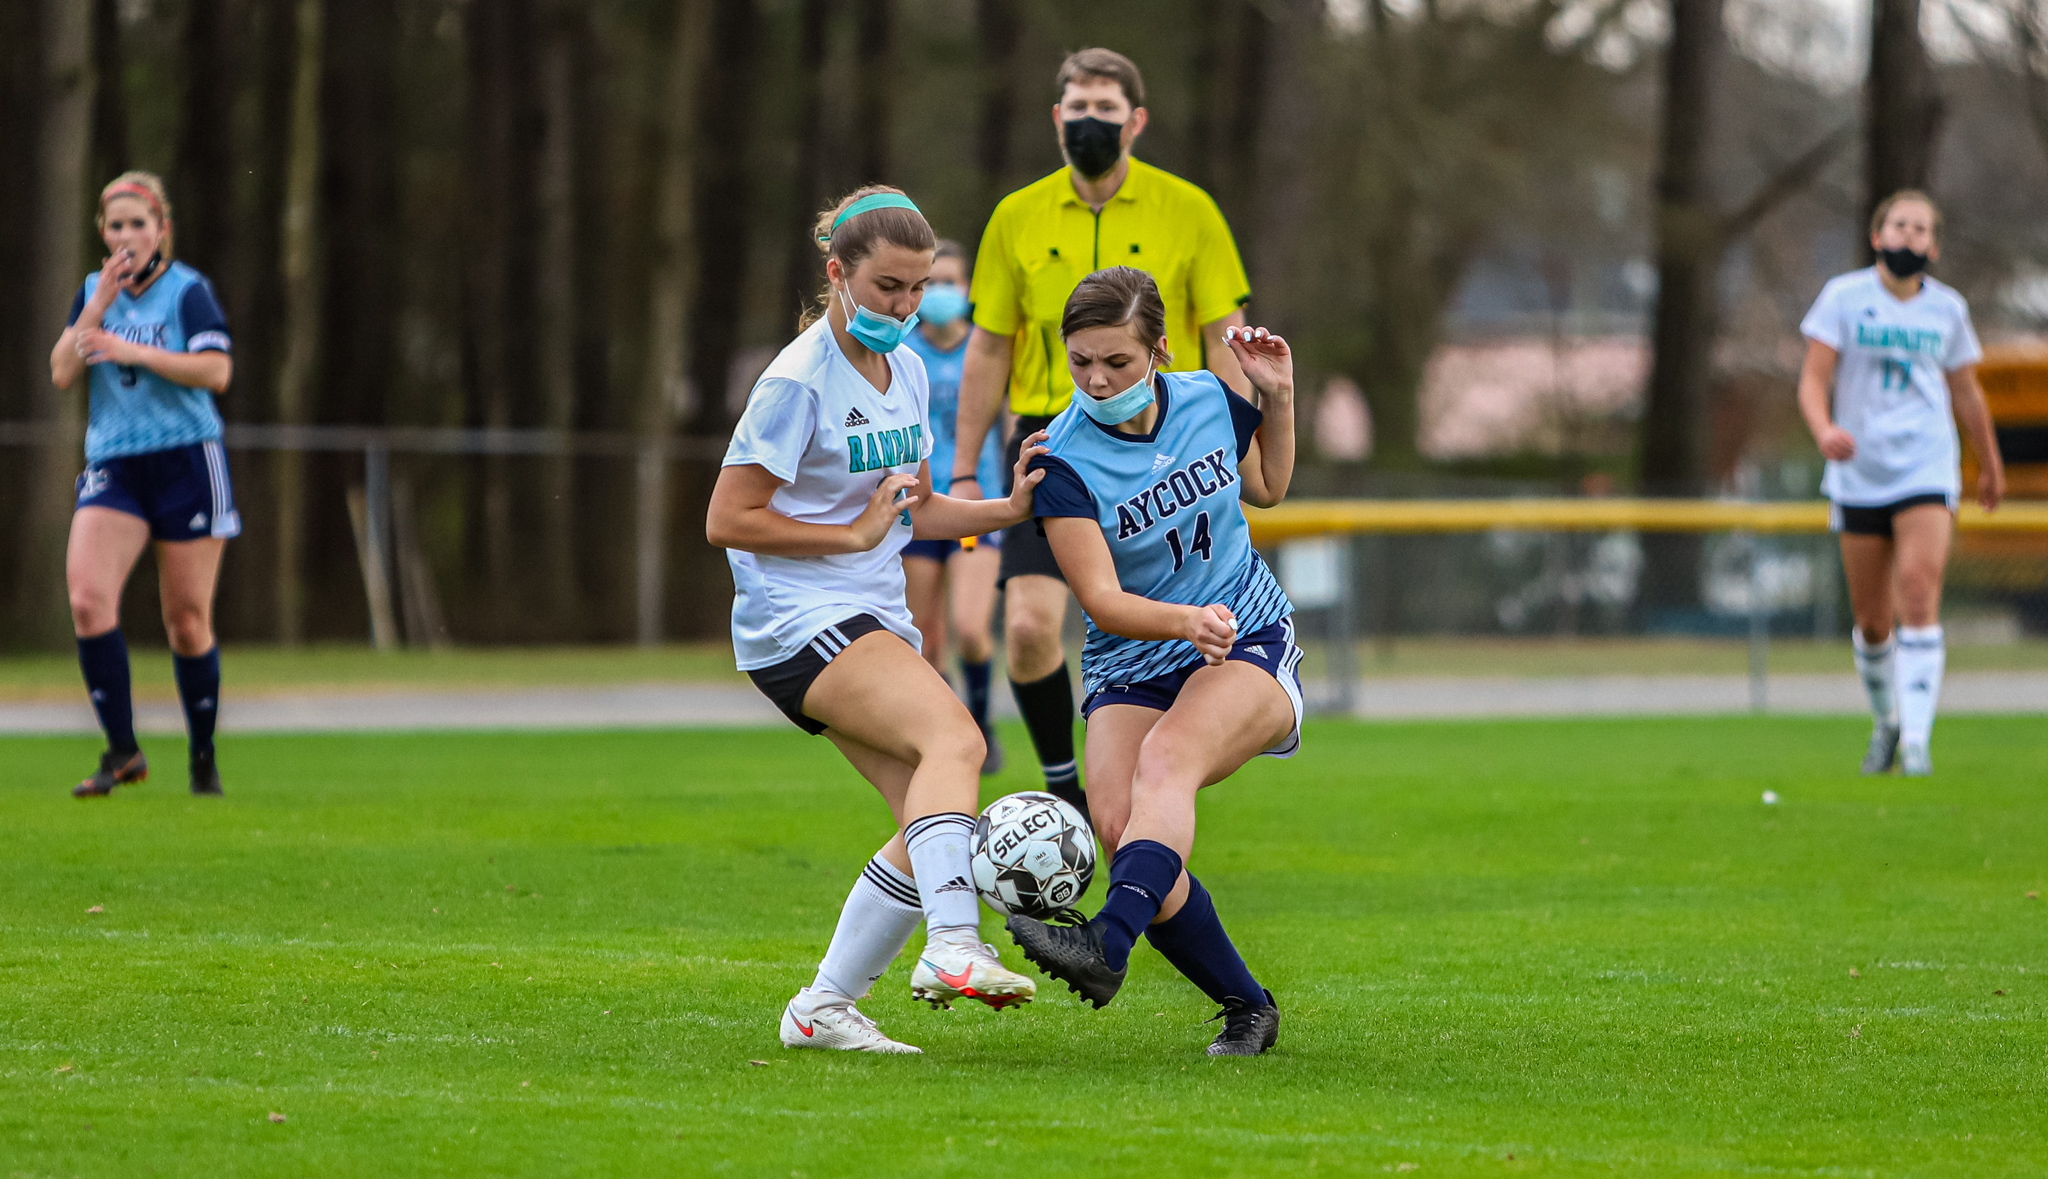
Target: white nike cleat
<point>840,1026</point>
<point>1914,761</point>
<point>967,970</point>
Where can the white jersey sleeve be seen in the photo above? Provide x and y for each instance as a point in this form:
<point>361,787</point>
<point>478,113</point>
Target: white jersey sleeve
<point>1963,348</point>
<point>776,428</point>
<point>1823,322</point>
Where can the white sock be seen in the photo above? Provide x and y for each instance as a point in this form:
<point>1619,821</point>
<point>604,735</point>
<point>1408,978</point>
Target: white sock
<point>874,924</point>
<point>1922,657</point>
<point>1880,677</point>
<point>945,874</point>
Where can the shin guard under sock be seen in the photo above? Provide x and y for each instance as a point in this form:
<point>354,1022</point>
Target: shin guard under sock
<point>1141,875</point>
<point>1047,706</point>
<point>104,660</point>
<point>1193,940</point>
<point>944,869</point>
<point>1921,659</point>
<point>874,924</point>
<point>199,690</point>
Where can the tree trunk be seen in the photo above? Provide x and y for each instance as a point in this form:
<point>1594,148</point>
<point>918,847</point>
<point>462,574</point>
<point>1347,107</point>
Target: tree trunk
<point>111,155</point>
<point>997,30</point>
<point>62,201</point>
<point>875,79</point>
<point>359,208</point>
<point>800,274</point>
<point>302,287</point>
<point>556,283</point>
<point>1902,107</point>
<point>205,175</point>
<point>1688,256</point>
<point>724,196</point>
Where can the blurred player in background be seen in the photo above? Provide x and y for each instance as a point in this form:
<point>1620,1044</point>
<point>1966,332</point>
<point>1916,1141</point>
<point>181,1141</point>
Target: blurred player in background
<point>150,337</point>
<point>1190,668</point>
<point>824,483</point>
<point>935,571</point>
<point>1103,209</point>
<point>1891,365</point>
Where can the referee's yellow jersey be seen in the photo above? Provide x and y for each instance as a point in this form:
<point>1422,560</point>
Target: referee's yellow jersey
<point>1043,240</point>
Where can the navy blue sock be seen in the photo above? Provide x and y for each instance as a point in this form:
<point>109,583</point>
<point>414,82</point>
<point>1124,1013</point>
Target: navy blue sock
<point>976,677</point>
<point>1140,876</point>
<point>1194,941</point>
<point>199,689</point>
<point>104,660</point>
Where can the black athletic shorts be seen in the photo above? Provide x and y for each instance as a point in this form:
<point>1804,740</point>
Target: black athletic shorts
<point>1877,521</point>
<point>1025,549</point>
<point>787,682</point>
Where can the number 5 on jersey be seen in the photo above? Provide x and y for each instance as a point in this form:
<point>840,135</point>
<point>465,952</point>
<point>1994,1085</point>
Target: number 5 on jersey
<point>1199,543</point>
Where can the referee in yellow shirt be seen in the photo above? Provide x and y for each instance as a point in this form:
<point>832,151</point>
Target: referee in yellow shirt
<point>1103,209</point>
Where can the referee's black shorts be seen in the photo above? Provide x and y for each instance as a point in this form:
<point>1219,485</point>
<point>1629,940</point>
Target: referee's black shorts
<point>1025,549</point>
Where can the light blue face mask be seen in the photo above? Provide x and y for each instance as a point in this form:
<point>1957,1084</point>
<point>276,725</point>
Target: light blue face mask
<point>1114,411</point>
<point>875,331</point>
<point>943,303</point>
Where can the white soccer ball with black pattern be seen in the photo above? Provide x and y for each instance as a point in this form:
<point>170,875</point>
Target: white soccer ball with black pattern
<point>1033,854</point>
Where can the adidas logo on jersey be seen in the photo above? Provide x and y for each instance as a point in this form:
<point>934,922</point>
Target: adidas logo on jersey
<point>855,418</point>
<point>1161,461</point>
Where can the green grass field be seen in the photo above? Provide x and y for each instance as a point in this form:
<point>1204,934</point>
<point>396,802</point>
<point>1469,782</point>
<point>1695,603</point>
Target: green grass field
<point>1584,945</point>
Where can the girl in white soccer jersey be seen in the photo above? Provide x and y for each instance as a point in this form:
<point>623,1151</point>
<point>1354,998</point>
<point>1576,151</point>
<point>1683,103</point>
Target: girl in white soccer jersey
<point>824,483</point>
<point>1891,365</point>
<point>1190,665</point>
<point>149,335</point>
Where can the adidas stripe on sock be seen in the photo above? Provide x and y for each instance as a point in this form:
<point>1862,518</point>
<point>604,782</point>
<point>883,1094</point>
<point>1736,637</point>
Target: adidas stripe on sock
<point>874,924</point>
<point>1921,659</point>
<point>940,859</point>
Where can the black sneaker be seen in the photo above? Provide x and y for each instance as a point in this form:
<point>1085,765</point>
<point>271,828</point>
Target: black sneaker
<point>1072,954</point>
<point>1248,1028</point>
<point>116,769</point>
<point>205,774</point>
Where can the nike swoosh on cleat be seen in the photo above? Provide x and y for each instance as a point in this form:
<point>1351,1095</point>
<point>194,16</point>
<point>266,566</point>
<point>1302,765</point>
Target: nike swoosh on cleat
<point>956,981</point>
<point>800,1026</point>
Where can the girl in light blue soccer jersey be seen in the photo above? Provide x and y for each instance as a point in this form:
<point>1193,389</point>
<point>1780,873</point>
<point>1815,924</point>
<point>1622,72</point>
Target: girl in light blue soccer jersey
<point>1891,367</point>
<point>149,335</point>
<point>1190,665</point>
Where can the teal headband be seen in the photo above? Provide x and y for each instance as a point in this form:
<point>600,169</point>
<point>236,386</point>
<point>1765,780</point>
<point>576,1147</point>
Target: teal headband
<point>880,200</point>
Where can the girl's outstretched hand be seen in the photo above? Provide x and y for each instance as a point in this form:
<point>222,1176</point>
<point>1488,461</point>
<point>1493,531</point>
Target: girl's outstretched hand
<point>1025,479</point>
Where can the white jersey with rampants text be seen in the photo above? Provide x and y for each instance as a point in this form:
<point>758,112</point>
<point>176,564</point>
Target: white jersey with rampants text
<point>815,423</point>
<point>1168,505</point>
<point>1891,386</point>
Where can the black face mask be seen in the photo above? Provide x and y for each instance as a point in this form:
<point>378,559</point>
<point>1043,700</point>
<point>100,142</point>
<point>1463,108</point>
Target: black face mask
<point>1093,146</point>
<point>1903,263</point>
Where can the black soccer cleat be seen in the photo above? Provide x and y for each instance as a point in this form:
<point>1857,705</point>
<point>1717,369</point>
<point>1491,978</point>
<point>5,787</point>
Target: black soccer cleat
<point>1248,1028</point>
<point>205,774</point>
<point>116,769</point>
<point>1072,954</point>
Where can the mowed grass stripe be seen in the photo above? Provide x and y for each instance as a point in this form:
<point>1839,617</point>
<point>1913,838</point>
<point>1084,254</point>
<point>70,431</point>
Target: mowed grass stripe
<point>1587,945</point>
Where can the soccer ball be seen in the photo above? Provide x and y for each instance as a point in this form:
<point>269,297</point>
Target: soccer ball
<point>1033,854</point>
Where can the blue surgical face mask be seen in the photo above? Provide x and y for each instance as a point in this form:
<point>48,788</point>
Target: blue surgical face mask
<point>1113,411</point>
<point>943,303</point>
<point>875,331</point>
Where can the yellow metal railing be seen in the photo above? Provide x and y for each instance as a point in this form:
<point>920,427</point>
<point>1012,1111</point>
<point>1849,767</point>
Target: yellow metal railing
<point>1322,517</point>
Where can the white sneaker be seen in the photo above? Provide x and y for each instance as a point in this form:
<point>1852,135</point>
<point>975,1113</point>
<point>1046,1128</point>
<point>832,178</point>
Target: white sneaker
<point>839,1026</point>
<point>967,970</point>
<point>1914,761</point>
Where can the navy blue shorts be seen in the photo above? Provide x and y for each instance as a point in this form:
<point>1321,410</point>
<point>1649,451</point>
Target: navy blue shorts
<point>182,492</point>
<point>1271,648</point>
<point>939,550</point>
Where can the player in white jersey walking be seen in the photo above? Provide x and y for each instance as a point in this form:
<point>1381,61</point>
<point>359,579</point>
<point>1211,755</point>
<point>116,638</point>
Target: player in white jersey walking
<point>148,335</point>
<point>824,483</point>
<point>1891,366</point>
<point>1190,667</point>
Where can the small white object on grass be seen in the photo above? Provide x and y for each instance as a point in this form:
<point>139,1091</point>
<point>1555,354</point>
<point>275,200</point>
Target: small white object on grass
<point>1770,798</point>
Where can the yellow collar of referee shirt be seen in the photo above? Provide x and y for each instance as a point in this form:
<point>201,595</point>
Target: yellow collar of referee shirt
<point>1124,192</point>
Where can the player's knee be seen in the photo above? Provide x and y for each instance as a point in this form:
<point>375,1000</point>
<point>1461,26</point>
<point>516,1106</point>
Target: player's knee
<point>954,745</point>
<point>189,630</point>
<point>975,646</point>
<point>1164,766</point>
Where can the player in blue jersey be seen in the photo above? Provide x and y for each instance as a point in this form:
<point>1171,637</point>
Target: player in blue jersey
<point>951,584</point>
<point>1190,668</point>
<point>149,335</point>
